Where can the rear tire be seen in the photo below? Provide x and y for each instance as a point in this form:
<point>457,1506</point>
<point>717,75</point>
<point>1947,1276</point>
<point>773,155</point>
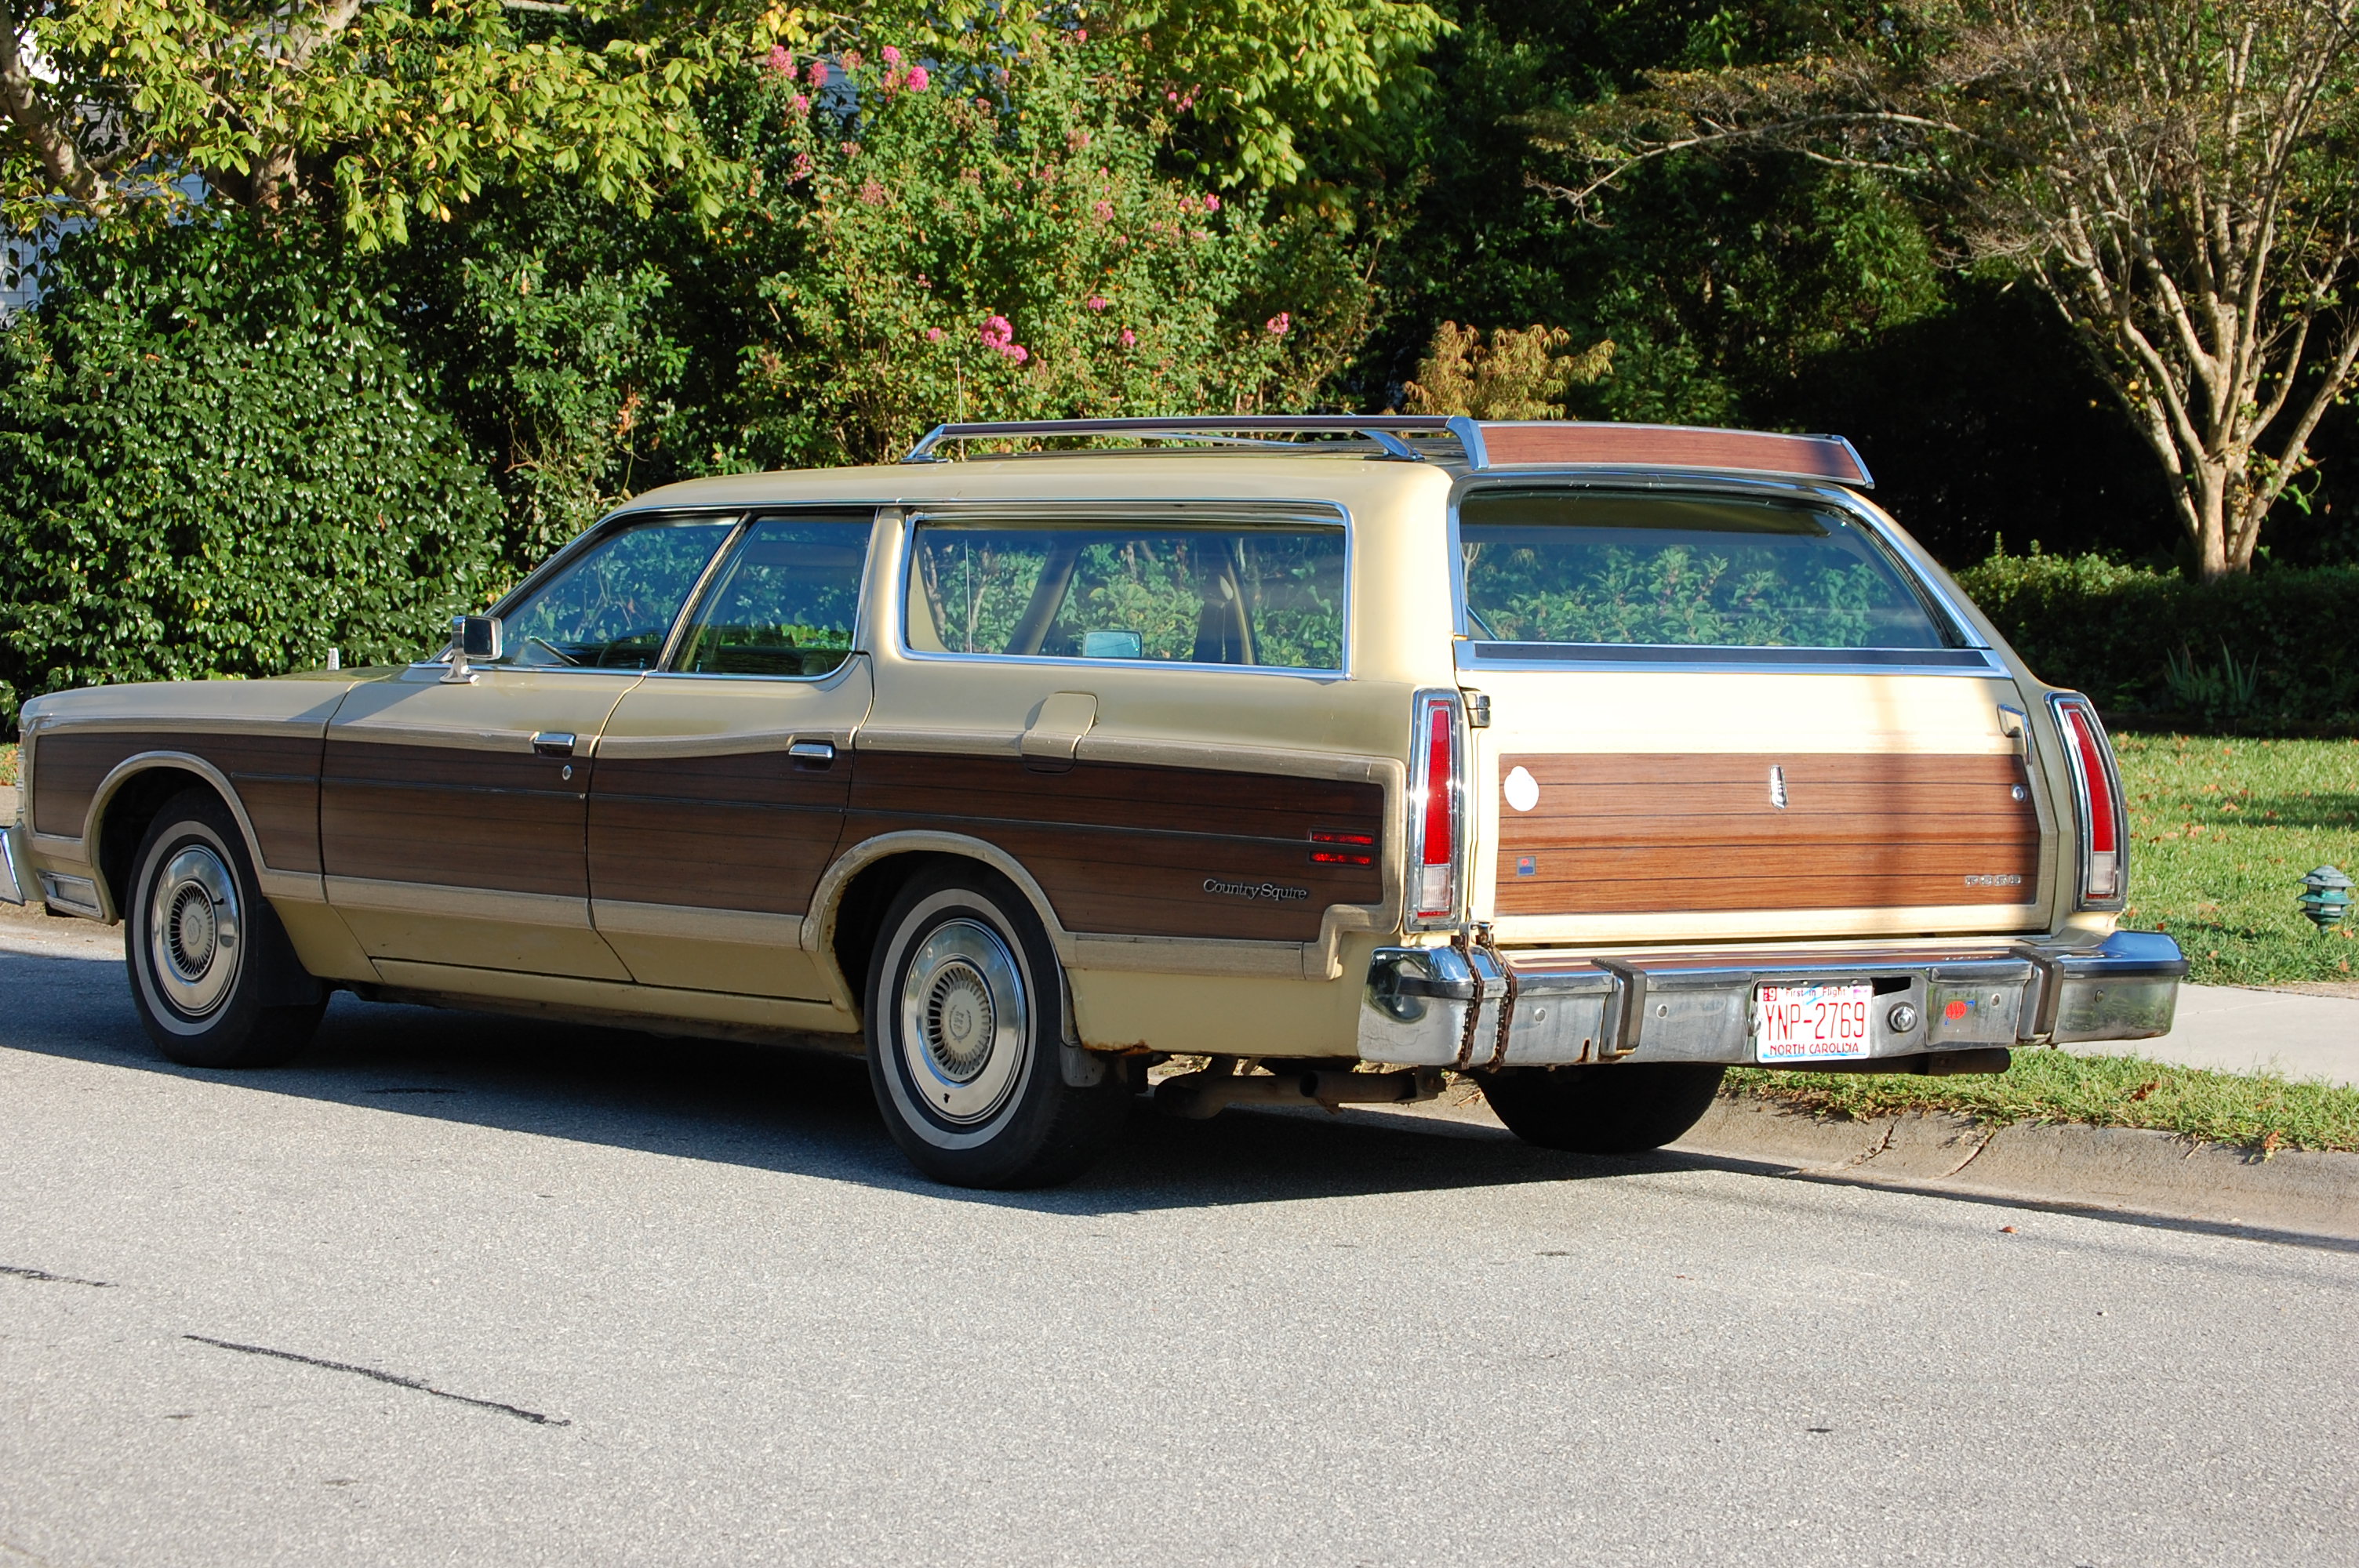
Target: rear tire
<point>205,950</point>
<point>966,1048</point>
<point>1616,1108</point>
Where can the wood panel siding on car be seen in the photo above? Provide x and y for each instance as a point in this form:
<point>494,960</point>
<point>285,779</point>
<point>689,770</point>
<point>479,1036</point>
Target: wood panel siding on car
<point>1127,850</point>
<point>749,831</point>
<point>277,778</point>
<point>1625,833</point>
<point>1673,447</point>
<point>507,821</point>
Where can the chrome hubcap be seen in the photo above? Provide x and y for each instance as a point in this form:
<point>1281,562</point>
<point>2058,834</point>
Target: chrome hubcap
<point>194,932</point>
<point>965,1022</point>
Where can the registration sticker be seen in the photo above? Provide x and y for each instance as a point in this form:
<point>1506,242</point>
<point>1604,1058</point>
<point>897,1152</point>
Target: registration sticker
<point>1810,1023</point>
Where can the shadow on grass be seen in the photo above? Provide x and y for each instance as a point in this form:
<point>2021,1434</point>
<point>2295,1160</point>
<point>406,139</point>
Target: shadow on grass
<point>766,1107</point>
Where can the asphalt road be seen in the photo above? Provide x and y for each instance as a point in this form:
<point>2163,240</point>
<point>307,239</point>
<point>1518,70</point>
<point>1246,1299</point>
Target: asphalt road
<point>463,1290</point>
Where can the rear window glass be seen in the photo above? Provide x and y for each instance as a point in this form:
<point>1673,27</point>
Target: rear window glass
<point>1266,597</point>
<point>1682,571</point>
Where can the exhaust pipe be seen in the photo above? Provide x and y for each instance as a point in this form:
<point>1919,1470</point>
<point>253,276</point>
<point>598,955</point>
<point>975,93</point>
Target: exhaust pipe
<point>1198,1095</point>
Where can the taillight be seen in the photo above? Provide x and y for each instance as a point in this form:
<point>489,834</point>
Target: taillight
<point>1437,809</point>
<point>2097,794</point>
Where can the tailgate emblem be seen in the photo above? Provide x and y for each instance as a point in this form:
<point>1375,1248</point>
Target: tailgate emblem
<point>1778,787</point>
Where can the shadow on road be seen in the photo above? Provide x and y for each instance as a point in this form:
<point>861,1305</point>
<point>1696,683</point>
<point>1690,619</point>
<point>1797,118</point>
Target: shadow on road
<point>762,1107</point>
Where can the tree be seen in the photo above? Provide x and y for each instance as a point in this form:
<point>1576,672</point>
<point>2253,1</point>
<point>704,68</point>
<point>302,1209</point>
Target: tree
<point>2174,176</point>
<point>1517,375</point>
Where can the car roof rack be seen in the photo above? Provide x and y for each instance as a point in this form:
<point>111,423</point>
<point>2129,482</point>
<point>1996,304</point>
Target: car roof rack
<point>1479,446</point>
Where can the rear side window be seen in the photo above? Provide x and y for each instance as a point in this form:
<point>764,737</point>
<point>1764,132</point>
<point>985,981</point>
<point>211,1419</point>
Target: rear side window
<point>1590,568</point>
<point>1271,597</point>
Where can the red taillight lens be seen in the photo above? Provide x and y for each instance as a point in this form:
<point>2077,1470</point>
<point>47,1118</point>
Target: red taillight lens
<point>1435,891</point>
<point>2097,788</point>
<point>1342,847</point>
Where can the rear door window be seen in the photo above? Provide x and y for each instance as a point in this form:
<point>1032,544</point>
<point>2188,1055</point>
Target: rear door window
<point>1265,597</point>
<point>1598,568</point>
<point>782,602</point>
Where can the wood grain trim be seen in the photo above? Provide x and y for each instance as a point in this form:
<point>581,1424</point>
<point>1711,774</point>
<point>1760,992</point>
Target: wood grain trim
<point>1665,446</point>
<point>506,821</point>
<point>1650,833</point>
<point>750,831</point>
<point>275,776</point>
<point>1126,850</point>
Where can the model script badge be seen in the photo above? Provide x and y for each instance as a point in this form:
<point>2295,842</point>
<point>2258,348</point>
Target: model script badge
<point>1277,893</point>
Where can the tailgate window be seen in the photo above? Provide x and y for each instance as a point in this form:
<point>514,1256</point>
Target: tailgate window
<point>1600,568</point>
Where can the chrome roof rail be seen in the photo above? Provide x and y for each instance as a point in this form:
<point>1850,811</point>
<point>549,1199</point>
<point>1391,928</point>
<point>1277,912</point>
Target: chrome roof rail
<point>1384,430</point>
<point>1482,446</point>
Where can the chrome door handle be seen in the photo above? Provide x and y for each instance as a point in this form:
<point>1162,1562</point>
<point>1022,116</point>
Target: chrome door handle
<point>812,753</point>
<point>553,743</point>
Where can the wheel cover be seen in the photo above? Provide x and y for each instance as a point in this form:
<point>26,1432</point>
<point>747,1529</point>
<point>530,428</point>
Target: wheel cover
<point>195,931</point>
<point>965,1023</point>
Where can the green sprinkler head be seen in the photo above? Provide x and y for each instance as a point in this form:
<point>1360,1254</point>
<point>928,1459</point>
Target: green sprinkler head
<point>2326,898</point>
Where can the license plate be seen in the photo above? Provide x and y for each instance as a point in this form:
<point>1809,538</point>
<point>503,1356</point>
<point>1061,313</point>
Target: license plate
<point>1810,1023</point>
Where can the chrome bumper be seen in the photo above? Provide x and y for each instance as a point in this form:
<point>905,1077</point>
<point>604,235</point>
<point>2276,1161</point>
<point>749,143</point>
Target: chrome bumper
<point>12,864</point>
<point>1692,1007</point>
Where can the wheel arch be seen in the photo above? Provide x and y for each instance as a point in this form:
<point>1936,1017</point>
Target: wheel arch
<point>126,803</point>
<point>847,908</point>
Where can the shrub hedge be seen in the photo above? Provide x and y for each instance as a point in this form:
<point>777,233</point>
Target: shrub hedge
<point>215,461</point>
<point>2277,650</point>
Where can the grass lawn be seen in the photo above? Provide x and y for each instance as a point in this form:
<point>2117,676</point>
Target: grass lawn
<point>2224,829</point>
<point>2240,1110</point>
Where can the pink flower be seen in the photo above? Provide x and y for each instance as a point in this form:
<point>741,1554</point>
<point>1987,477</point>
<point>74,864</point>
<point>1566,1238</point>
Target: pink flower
<point>780,60</point>
<point>1128,339</point>
<point>1081,35</point>
<point>819,73</point>
<point>933,334</point>
<point>1211,202</point>
<point>891,55</point>
<point>998,332</point>
<point>1279,323</point>
<point>852,59</point>
<point>1018,352</point>
<point>1102,210</point>
<point>801,169</point>
<point>871,193</point>
<point>918,80</point>
<point>802,104</point>
<point>1096,302</point>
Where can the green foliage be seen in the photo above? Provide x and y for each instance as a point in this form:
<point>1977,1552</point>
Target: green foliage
<point>214,461</point>
<point>397,110</point>
<point>1014,255</point>
<point>1516,376</point>
<point>2117,630</point>
<point>2238,1111</point>
<point>2222,831</point>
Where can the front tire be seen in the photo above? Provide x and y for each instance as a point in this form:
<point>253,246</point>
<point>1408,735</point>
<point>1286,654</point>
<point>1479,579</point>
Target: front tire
<point>204,950</point>
<point>1614,1109</point>
<point>966,1049</point>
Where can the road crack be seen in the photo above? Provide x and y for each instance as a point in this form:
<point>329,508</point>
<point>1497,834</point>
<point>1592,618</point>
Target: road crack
<point>43,1276</point>
<point>395,1378</point>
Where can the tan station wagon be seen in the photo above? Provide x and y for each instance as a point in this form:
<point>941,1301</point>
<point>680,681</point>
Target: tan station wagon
<point>1582,758</point>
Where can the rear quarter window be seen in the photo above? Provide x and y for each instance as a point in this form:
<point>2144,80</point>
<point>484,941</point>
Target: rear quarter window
<point>1602,569</point>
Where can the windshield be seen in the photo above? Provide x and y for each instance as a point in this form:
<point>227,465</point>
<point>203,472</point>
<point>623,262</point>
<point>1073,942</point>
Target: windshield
<point>1587,567</point>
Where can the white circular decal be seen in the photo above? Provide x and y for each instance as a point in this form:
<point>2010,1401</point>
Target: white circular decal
<point>1522,790</point>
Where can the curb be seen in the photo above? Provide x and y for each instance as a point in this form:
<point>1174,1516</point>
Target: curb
<point>2298,1195</point>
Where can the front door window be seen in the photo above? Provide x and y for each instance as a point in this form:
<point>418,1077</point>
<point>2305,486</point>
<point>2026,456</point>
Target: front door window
<point>612,608</point>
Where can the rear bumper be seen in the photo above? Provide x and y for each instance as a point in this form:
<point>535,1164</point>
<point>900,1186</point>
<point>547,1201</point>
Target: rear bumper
<point>1442,1007</point>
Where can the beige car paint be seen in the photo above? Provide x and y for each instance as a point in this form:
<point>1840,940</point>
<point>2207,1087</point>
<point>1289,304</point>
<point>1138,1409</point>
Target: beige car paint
<point>1130,992</point>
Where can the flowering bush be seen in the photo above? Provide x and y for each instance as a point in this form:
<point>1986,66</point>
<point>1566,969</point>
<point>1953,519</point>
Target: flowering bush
<point>982,243</point>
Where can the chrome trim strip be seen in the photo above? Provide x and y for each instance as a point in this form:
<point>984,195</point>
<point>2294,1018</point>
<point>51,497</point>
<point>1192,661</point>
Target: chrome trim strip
<point>557,910</point>
<point>748,927</point>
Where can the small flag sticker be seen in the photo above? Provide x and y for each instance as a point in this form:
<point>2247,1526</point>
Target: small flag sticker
<point>1528,865</point>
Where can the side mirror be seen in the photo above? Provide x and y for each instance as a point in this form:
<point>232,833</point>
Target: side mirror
<point>472,637</point>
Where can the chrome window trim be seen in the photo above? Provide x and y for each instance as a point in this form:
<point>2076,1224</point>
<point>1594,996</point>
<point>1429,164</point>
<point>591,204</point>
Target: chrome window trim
<point>1273,515</point>
<point>1879,529</point>
<point>704,581</point>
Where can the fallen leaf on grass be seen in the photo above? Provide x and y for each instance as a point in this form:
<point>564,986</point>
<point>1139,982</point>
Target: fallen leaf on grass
<point>2146,1088</point>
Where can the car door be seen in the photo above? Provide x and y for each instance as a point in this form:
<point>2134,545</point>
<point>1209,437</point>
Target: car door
<point>453,812</point>
<point>720,790</point>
